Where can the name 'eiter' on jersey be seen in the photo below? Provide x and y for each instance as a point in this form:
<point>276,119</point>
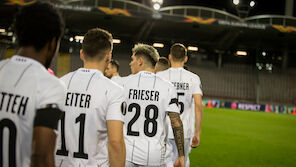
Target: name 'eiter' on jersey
<point>91,100</point>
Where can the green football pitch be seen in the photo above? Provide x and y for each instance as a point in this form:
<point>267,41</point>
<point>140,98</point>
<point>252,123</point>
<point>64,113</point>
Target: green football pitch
<point>233,138</point>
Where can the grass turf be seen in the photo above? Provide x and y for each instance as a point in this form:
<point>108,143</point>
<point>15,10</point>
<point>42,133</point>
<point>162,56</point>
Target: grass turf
<point>233,138</point>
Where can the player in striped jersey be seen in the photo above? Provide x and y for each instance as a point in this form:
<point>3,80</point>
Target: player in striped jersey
<point>30,97</point>
<point>188,87</point>
<point>149,100</point>
<point>91,131</point>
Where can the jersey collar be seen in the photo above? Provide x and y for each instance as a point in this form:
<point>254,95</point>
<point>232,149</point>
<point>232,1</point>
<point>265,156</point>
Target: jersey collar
<point>86,70</point>
<point>177,68</point>
<point>16,58</point>
<point>147,73</point>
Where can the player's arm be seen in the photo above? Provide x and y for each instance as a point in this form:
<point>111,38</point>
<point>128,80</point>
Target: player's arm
<point>177,126</point>
<point>116,145</point>
<point>198,120</point>
<point>44,137</point>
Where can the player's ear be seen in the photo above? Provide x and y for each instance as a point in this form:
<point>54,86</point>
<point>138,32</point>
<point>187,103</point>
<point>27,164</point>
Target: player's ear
<point>140,61</point>
<point>185,59</point>
<point>52,44</point>
<point>109,56</point>
<point>81,55</point>
<point>170,57</point>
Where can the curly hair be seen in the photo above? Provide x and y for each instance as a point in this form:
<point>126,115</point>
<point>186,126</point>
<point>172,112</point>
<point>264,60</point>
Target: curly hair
<point>37,24</point>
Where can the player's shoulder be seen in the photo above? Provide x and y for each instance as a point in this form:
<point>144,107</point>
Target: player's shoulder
<point>191,74</point>
<point>163,73</point>
<point>130,78</point>
<point>53,80</point>
<point>2,62</point>
<point>47,81</point>
<point>67,76</point>
<point>164,82</point>
<point>111,85</point>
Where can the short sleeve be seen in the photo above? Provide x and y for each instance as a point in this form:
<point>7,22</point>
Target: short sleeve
<point>51,91</point>
<point>196,86</point>
<point>115,100</point>
<point>173,100</point>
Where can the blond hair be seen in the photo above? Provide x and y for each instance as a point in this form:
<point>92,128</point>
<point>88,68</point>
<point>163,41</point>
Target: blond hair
<point>147,51</point>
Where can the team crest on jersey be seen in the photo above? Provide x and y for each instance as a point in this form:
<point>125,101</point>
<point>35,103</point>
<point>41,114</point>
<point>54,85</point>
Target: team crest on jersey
<point>123,108</point>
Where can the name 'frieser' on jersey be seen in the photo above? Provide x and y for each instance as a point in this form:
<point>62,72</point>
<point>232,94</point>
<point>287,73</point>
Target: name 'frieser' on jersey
<point>148,99</point>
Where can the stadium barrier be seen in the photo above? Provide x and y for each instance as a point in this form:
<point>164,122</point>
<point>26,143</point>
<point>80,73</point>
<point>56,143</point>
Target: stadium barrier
<point>279,109</point>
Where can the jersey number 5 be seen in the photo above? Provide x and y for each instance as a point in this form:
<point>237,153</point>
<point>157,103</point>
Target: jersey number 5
<point>181,103</point>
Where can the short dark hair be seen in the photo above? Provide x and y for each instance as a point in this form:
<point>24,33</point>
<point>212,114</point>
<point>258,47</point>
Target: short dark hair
<point>164,63</point>
<point>115,63</point>
<point>97,42</point>
<point>37,24</point>
<point>149,52</point>
<point>178,52</point>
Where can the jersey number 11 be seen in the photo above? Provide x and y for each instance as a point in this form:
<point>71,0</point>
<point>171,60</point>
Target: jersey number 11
<point>63,151</point>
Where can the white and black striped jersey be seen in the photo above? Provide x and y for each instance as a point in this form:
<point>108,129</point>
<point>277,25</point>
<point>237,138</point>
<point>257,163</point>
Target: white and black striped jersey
<point>25,88</point>
<point>91,100</point>
<point>187,84</point>
<point>148,99</point>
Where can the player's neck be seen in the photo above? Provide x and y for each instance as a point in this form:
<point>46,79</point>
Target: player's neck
<point>148,69</point>
<point>31,52</point>
<point>115,74</point>
<point>177,64</point>
<point>95,65</point>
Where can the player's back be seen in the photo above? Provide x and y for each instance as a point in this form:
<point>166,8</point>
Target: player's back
<point>83,139</point>
<point>148,99</point>
<point>25,87</point>
<point>186,84</point>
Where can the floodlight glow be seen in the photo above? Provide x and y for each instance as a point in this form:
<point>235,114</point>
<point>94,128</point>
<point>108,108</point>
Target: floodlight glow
<point>241,53</point>
<point>71,39</point>
<point>2,30</point>
<point>157,1</point>
<point>158,45</point>
<point>79,37</point>
<point>116,41</point>
<point>192,48</point>
<point>156,6</point>
<point>268,67</point>
<point>236,2</point>
<point>252,3</point>
<point>263,53</point>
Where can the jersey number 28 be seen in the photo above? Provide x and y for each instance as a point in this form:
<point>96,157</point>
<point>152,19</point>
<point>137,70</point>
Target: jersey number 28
<point>148,120</point>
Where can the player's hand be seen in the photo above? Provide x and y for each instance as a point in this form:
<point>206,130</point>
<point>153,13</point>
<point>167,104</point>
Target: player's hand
<point>195,141</point>
<point>180,162</point>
